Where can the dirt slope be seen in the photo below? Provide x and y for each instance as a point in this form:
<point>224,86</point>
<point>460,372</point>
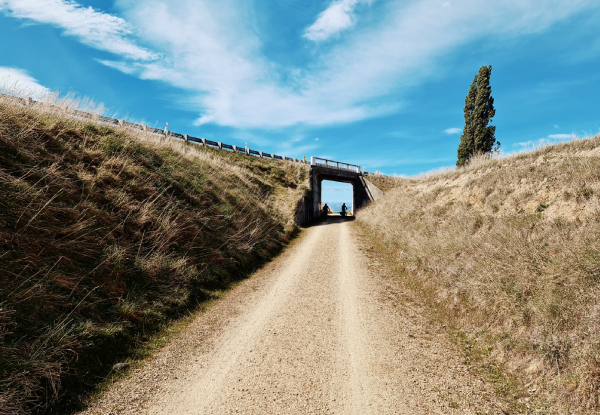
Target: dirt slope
<point>313,332</point>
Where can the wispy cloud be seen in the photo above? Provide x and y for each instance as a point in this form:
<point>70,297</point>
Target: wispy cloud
<point>561,137</point>
<point>219,57</point>
<point>453,131</point>
<point>214,53</point>
<point>92,27</point>
<point>540,142</point>
<point>339,16</point>
<point>19,82</point>
<point>337,188</point>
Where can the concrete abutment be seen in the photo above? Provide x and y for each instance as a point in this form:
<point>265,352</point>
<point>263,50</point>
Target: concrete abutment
<point>309,207</point>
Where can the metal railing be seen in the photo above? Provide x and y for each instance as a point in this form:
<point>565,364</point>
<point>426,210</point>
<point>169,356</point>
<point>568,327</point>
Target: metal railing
<point>29,102</point>
<point>317,161</point>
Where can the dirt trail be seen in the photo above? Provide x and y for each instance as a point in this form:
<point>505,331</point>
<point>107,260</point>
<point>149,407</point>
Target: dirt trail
<point>314,332</point>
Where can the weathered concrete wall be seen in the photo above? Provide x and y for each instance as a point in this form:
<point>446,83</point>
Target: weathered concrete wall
<point>304,210</point>
<point>309,207</point>
<point>375,192</point>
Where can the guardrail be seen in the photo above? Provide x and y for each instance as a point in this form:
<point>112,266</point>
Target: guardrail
<point>29,102</point>
<point>317,161</point>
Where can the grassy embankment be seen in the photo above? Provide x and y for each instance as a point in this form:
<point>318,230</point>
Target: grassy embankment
<point>507,253</point>
<point>107,235</point>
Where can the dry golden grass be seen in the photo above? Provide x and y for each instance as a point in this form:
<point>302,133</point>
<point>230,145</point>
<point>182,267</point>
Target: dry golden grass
<point>106,235</point>
<point>508,251</point>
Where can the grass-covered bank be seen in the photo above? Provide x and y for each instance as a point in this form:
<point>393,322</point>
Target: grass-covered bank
<point>106,235</point>
<point>507,252</point>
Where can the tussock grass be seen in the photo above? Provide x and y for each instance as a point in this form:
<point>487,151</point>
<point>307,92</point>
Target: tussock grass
<point>106,235</point>
<point>507,251</point>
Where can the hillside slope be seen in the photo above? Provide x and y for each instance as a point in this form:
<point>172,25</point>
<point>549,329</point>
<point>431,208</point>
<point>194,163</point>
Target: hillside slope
<point>507,252</point>
<point>106,235</point>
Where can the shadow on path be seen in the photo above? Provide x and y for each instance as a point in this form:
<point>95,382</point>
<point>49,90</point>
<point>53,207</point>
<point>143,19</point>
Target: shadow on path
<point>329,220</point>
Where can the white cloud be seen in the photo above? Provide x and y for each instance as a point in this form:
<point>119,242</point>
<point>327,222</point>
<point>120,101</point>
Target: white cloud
<point>540,142</point>
<point>218,56</point>
<point>561,137</point>
<point>119,66</point>
<point>452,131</point>
<point>337,17</point>
<point>299,151</point>
<point>94,28</point>
<point>214,52</point>
<point>205,119</point>
<point>17,82</point>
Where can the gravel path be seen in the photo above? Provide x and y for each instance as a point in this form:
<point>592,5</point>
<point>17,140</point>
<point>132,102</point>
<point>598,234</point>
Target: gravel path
<point>313,332</point>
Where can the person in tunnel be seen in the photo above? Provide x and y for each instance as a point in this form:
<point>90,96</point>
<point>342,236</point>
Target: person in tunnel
<point>325,210</point>
<point>344,208</point>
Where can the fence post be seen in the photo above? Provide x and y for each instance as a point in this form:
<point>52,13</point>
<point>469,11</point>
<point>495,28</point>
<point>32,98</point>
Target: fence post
<point>29,102</point>
<point>121,123</point>
<point>260,153</point>
<point>145,129</point>
<point>166,131</point>
<point>203,142</point>
<point>234,149</point>
<point>312,161</point>
<point>220,145</point>
<point>185,138</point>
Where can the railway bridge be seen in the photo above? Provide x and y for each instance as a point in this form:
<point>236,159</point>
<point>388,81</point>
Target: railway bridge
<point>363,191</point>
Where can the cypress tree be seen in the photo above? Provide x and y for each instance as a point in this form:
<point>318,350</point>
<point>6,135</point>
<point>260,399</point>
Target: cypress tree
<point>467,139</point>
<point>478,137</point>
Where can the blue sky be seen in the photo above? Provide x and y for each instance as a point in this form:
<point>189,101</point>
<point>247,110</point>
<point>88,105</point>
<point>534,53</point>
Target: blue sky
<point>334,192</point>
<point>378,83</point>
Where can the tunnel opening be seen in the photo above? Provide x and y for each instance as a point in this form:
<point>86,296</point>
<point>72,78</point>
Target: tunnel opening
<point>353,189</point>
<point>335,194</point>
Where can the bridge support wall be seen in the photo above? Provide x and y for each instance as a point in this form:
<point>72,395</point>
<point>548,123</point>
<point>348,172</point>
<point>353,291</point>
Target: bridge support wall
<point>309,207</point>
